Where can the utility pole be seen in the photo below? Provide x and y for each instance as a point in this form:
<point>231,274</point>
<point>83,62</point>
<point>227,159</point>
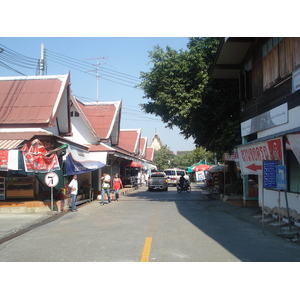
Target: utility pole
<point>96,70</point>
<point>42,61</point>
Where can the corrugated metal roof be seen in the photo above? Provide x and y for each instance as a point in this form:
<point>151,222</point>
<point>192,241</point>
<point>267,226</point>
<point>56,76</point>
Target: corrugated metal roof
<point>100,116</point>
<point>28,101</point>
<point>129,140</point>
<point>9,144</point>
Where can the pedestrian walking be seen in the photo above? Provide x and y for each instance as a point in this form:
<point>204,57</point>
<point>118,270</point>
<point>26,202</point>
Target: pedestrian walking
<point>74,190</point>
<point>117,185</point>
<point>105,187</point>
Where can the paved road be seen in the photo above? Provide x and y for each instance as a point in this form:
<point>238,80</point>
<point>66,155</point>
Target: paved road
<point>150,226</point>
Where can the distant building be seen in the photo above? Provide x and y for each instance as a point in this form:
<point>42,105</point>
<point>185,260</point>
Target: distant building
<point>156,142</point>
<point>182,153</point>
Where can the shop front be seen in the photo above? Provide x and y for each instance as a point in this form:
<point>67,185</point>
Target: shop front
<point>285,150</point>
<point>25,163</point>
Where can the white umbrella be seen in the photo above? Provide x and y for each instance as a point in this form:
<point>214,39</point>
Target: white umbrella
<point>218,168</point>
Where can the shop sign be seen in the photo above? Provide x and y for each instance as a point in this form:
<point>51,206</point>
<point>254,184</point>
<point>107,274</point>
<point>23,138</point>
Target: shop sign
<point>274,117</point>
<point>252,156</point>
<point>9,160</point>
<point>3,160</point>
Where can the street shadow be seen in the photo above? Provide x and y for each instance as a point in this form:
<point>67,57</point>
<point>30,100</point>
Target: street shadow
<point>228,225</point>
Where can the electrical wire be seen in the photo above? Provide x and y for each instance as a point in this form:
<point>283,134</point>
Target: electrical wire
<point>15,58</point>
<point>86,67</point>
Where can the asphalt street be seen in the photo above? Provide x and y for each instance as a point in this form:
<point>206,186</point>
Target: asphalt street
<point>156,226</point>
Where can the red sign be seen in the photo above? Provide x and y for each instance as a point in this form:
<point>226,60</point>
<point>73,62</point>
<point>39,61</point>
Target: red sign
<point>51,179</point>
<point>3,160</point>
<point>35,159</point>
<point>251,156</point>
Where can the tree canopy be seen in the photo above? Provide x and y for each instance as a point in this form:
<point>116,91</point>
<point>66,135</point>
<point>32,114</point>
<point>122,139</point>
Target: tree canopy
<point>180,91</point>
<point>164,158</point>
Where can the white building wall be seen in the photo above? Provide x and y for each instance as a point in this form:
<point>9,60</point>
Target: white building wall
<point>81,134</point>
<point>271,197</point>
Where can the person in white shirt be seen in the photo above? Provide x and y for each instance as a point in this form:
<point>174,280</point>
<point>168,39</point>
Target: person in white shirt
<point>74,190</point>
<point>105,187</point>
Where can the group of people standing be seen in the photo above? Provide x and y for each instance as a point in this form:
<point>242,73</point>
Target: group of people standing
<point>106,188</point>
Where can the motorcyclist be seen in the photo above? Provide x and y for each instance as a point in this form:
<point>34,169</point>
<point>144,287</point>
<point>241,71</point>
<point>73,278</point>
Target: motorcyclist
<point>182,182</point>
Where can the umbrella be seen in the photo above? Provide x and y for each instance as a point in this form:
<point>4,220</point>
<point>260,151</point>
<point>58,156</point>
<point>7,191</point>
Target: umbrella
<point>134,164</point>
<point>218,168</point>
<point>202,167</point>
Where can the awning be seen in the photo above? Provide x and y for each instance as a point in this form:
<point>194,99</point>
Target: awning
<point>9,144</point>
<point>134,164</point>
<point>8,154</point>
<point>81,161</point>
<point>294,141</point>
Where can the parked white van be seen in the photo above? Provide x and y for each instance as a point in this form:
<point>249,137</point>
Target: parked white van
<point>174,175</point>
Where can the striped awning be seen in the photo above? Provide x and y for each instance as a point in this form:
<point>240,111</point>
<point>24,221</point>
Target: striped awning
<point>9,144</point>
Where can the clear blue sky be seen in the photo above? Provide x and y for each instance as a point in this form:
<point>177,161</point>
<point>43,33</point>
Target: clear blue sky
<point>123,56</point>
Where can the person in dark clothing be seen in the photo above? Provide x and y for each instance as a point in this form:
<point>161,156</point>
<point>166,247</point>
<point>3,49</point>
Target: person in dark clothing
<point>182,181</point>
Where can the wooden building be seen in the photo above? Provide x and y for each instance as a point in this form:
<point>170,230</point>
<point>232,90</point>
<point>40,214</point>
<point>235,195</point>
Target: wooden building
<point>268,73</point>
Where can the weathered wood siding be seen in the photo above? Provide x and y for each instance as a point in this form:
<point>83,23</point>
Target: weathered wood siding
<point>271,76</point>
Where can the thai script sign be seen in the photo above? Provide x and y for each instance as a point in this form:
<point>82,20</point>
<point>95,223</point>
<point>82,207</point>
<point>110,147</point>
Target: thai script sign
<point>269,119</point>
<point>269,173</point>
<point>252,156</point>
<point>36,159</point>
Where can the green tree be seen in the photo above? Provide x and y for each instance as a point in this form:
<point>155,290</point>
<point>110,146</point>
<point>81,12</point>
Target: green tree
<point>163,157</point>
<point>182,162</point>
<point>199,154</point>
<point>180,91</point>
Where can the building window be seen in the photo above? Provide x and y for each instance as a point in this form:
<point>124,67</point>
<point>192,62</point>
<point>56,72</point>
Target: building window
<point>270,44</point>
<point>74,114</point>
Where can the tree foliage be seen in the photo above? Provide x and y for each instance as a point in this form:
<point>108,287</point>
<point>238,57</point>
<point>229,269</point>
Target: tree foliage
<point>180,91</point>
<point>162,157</point>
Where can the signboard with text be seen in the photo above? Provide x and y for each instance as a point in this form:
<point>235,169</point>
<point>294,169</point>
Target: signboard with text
<point>281,177</point>
<point>251,156</point>
<point>269,174</point>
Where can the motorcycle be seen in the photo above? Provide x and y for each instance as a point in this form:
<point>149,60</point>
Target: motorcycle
<point>185,188</point>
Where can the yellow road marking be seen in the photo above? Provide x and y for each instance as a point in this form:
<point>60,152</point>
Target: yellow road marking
<point>146,250</point>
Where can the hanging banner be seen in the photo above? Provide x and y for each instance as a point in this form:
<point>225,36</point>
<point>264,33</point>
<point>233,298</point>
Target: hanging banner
<point>251,156</point>
<point>35,159</point>
<point>81,161</point>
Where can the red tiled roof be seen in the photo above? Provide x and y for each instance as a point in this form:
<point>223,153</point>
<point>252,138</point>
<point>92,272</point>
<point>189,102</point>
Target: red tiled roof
<point>129,140</point>
<point>100,148</point>
<point>29,101</point>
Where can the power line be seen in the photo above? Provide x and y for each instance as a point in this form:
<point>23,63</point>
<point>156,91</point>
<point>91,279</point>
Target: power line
<point>85,67</point>
<point>10,57</point>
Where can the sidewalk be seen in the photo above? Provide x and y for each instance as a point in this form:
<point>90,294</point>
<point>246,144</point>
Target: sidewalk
<point>253,215</point>
<point>13,224</point>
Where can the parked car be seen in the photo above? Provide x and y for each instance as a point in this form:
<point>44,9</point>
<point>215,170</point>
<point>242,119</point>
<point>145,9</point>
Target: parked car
<point>173,176</point>
<point>158,181</point>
